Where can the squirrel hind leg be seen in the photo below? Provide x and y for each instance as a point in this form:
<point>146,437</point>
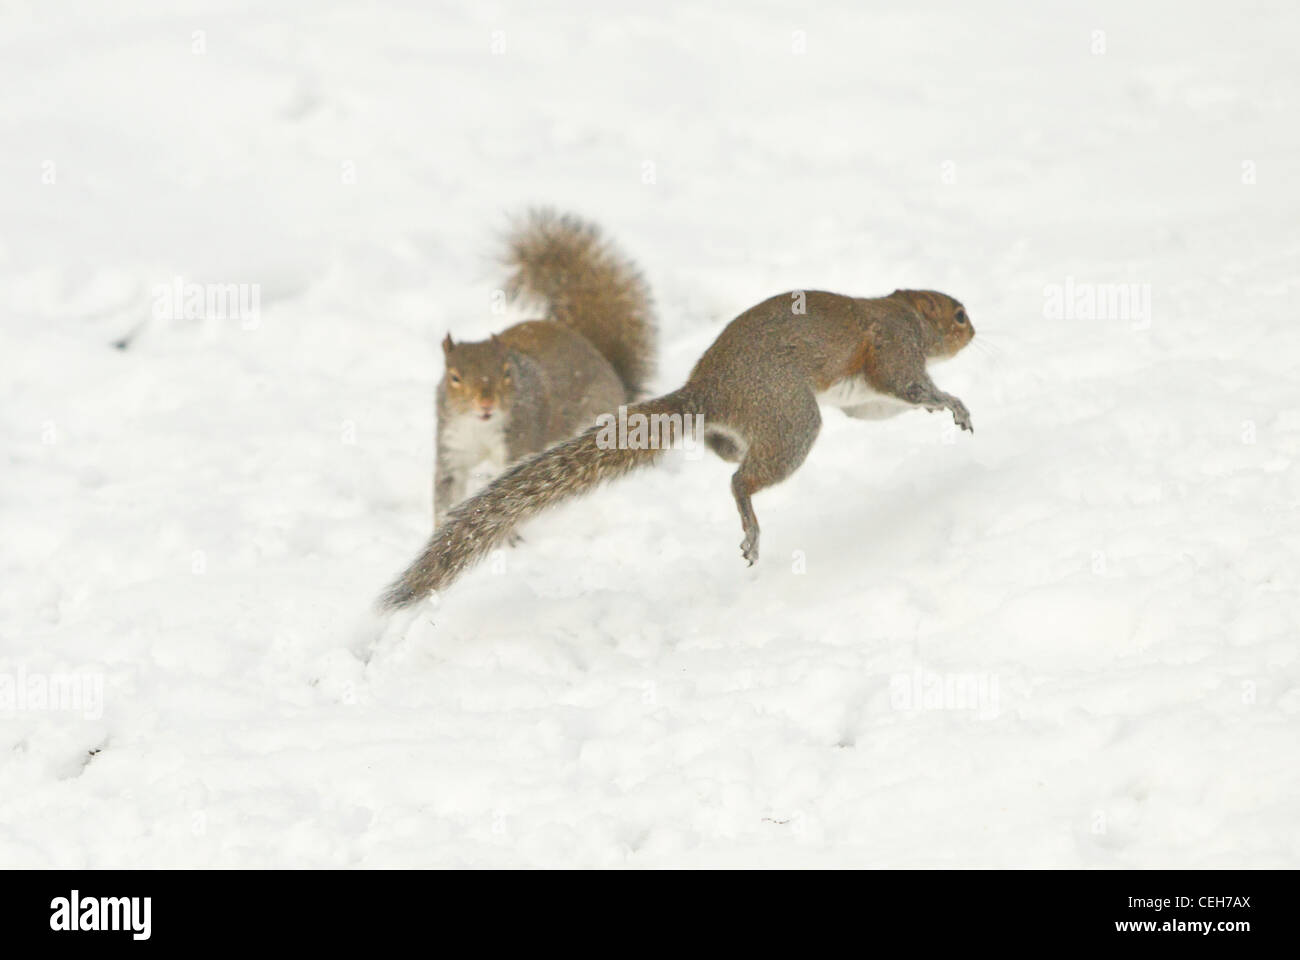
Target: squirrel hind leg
<point>775,453</point>
<point>741,489</point>
<point>726,446</point>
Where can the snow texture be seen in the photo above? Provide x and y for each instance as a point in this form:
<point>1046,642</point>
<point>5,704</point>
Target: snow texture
<point>1069,640</point>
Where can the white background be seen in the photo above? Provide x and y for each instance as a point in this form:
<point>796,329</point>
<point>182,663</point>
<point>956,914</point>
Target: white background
<point>203,520</point>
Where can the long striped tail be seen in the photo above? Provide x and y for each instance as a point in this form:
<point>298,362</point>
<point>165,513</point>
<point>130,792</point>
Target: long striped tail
<point>480,524</point>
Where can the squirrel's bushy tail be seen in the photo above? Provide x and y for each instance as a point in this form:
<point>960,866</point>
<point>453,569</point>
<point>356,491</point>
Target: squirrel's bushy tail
<point>478,525</point>
<point>587,285</point>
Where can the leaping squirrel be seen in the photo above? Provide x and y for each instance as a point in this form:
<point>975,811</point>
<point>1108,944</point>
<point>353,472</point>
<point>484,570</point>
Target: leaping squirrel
<point>757,387</point>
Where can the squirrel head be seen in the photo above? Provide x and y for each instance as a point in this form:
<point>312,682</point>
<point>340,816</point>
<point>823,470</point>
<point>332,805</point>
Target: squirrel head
<point>480,377</point>
<point>946,321</point>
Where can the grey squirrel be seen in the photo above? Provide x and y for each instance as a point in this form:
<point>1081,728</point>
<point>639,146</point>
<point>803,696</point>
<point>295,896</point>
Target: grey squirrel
<point>757,387</point>
<point>545,380</point>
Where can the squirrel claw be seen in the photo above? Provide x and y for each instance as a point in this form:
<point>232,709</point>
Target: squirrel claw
<point>749,550</point>
<point>961,416</point>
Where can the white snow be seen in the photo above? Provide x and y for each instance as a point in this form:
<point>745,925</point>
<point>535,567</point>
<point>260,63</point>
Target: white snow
<point>1104,575</point>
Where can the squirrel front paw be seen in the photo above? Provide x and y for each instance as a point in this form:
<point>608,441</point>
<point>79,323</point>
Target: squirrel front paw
<point>749,548</point>
<point>960,415</point>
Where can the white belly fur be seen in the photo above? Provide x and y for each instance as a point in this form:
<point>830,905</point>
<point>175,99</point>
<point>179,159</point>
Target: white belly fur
<point>471,442</point>
<point>856,392</point>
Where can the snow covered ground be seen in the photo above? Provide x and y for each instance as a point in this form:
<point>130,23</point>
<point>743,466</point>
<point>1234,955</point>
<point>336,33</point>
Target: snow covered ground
<point>1069,640</point>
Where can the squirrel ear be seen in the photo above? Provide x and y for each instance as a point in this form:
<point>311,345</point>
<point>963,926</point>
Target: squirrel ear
<point>447,344</point>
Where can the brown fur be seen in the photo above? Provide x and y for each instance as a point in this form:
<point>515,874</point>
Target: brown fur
<point>487,520</point>
<point>541,381</point>
<point>586,285</point>
<point>757,388</point>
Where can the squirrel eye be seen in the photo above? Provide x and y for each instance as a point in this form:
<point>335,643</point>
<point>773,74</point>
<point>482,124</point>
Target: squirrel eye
<point>961,316</point>
<point>454,377</point>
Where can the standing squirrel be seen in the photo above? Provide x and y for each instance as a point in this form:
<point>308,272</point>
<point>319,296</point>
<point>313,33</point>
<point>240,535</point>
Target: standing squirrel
<point>758,388</point>
<point>541,381</point>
